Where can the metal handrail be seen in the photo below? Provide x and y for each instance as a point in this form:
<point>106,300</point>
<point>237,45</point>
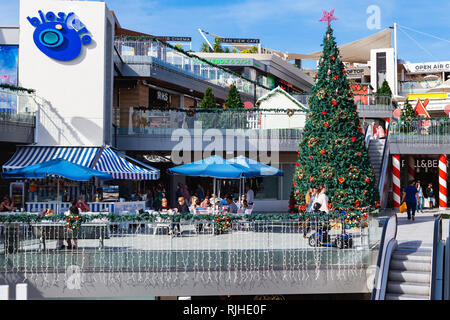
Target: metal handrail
<point>381,260</point>
<point>435,289</point>
<point>385,159</point>
<point>446,288</point>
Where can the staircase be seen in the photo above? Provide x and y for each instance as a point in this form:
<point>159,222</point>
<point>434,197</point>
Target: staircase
<point>410,273</point>
<point>376,147</point>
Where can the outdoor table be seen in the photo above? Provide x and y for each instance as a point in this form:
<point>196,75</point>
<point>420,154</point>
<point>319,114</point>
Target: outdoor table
<point>59,231</point>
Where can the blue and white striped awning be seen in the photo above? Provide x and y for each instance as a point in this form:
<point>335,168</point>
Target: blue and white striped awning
<point>109,161</point>
<point>27,156</point>
<point>120,168</point>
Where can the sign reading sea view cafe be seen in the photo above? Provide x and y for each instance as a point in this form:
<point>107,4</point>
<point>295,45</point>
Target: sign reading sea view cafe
<point>428,67</point>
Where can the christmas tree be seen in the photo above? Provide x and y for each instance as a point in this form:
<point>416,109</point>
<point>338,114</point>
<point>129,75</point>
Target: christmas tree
<point>208,119</point>
<point>233,120</point>
<point>332,150</point>
<point>233,99</point>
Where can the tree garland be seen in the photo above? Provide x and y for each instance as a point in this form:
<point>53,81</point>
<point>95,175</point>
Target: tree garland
<point>214,110</point>
<point>223,223</point>
<point>73,222</point>
<point>146,217</point>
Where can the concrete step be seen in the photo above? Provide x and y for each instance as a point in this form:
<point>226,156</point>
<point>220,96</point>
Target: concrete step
<point>413,288</point>
<point>409,276</point>
<point>408,265</point>
<point>396,296</point>
<point>422,256</point>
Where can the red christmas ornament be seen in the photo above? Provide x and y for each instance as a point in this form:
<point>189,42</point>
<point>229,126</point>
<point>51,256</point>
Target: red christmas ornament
<point>335,78</point>
<point>341,180</point>
<point>356,203</point>
<point>324,113</point>
<point>311,179</point>
<point>367,180</point>
<point>322,152</point>
<point>353,139</point>
<point>303,207</point>
<point>326,124</point>
<point>297,164</point>
<point>310,157</point>
<point>332,58</point>
<point>359,154</point>
<point>334,102</point>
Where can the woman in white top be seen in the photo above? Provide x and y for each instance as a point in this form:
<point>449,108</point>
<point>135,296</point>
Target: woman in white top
<point>322,199</point>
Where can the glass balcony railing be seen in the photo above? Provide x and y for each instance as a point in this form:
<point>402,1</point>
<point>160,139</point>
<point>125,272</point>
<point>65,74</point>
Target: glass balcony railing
<point>433,131</point>
<point>155,52</point>
<point>143,121</point>
<point>17,107</point>
<point>418,86</point>
<point>143,247</point>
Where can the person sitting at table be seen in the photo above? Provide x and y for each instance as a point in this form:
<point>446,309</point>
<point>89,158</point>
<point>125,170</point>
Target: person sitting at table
<point>6,204</point>
<point>82,204</point>
<point>195,202</point>
<point>164,205</point>
<point>232,207</point>
<point>241,201</point>
<point>206,203</point>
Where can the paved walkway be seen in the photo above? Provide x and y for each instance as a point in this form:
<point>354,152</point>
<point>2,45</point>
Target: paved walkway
<point>421,229</point>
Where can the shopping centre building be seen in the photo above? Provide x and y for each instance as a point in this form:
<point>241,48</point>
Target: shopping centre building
<point>80,86</point>
<point>124,88</point>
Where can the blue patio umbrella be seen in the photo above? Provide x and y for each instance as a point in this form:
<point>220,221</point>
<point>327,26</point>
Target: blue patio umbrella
<point>255,168</point>
<point>57,167</point>
<point>214,167</point>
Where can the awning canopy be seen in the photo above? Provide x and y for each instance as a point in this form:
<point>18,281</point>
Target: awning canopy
<point>103,159</point>
<point>356,51</point>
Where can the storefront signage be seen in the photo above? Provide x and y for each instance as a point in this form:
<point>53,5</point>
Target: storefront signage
<point>59,36</point>
<point>424,163</point>
<point>178,39</point>
<point>355,72</point>
<point>161,95</point>
<point>238,40</point>
<point>428,67</point>
<point>231,62</point>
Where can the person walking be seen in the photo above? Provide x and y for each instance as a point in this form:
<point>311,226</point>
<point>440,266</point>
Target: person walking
<point>420,200</point>
<point>411,197</point>
<point>430,195</point>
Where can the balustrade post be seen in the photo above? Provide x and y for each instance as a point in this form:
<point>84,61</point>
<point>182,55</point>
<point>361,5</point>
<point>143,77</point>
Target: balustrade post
<point>396,179</point>
<point>442,182</point>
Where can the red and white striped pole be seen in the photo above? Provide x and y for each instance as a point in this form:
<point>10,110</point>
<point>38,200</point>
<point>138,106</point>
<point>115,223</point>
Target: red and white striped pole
<point>396,179</point>
<point>442,182</point>
<point>411,169</point>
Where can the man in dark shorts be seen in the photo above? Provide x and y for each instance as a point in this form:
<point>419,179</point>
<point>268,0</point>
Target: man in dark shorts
<point>411,197</point>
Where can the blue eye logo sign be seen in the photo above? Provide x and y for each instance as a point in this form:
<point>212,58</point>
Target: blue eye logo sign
<point>61,36</point>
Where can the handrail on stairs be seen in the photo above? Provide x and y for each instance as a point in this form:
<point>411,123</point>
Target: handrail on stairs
<point>447,267</point>
<point>388,236</point>
<point>385,161</point>
<point>436,285</point>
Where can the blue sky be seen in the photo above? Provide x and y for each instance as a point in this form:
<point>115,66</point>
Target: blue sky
<point>286,25</point>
